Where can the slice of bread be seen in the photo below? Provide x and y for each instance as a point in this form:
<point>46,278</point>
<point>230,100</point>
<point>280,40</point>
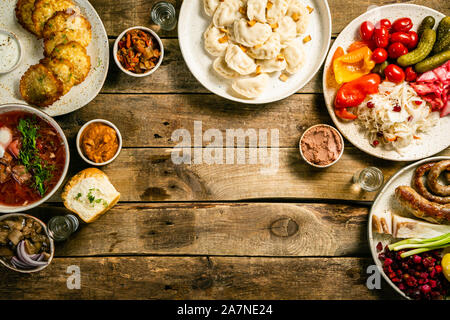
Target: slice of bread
<point>90,194</point>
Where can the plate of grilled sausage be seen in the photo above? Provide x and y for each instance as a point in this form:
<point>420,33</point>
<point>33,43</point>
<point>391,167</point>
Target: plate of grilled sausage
<point>414,203</point>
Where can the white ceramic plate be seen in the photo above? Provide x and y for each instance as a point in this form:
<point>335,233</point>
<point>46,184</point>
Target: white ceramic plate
<point>193,23</point>
<point>433,142</point>
<point>385,202</point>
<point>33,49</point>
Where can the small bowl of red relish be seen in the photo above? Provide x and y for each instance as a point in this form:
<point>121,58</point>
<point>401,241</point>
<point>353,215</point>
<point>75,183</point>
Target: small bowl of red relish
<point>138,51</point>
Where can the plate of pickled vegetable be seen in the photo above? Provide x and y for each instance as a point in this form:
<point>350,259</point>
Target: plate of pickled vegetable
<point>386,82</point>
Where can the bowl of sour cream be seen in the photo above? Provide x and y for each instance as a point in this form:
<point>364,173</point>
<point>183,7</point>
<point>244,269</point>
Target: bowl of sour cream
<point>10,51</point>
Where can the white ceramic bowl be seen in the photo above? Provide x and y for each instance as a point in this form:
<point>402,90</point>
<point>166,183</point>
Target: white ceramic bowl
<point>313,164</point>
<point>21,107</point>
<point>193,22</point>
<point>19,60</point>
<point>80,152</point>
<point>52,244</point>
<point>116,47</point>
<point>432,142</point>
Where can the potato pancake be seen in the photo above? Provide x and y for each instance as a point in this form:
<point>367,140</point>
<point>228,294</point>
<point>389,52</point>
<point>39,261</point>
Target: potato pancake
<point>45,9</point>
<point>63,70</point>
<point>40,87</point>
<point>82,36</point>
<point>64,20</point>
<point>77,55</point>
<point>24,11</point>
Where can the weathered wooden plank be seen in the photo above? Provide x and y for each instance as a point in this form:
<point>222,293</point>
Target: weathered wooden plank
<point>127,13</point>
<point>198,278</point>
<point>238,229</point>
<point>151,175</point>
<point>150,120</point>
<point>172,76</point>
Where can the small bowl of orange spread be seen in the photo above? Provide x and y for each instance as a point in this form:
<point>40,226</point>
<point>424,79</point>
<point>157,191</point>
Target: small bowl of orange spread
<point>99,142</point>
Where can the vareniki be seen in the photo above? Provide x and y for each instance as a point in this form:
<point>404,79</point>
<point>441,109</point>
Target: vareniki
<point>252,39</point>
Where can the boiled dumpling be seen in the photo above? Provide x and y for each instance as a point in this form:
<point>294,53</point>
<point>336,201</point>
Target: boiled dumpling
<point>210,6</point>
<point>294,55</point>
<point>226,13</point>
<point>251,35</point>
<point>287,29</point>
<point>268,50</point>
<point>251,87</point>
<point>272,65</point>
<point>239,61</point>
<point>222,69</point>
<point>215,41</point>
<point>300,14</point>
<point>256,10</point>
<point>277,10</point>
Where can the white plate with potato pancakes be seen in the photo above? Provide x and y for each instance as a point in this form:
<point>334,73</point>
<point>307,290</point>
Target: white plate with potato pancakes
<point>413,204</point>
<point>254,51</point>
<point>65,54</point>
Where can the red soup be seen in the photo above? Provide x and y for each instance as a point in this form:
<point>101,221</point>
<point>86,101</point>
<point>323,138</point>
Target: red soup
<point>32,158</point>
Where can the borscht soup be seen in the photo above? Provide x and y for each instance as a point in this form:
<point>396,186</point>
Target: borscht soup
<point>32,158</point>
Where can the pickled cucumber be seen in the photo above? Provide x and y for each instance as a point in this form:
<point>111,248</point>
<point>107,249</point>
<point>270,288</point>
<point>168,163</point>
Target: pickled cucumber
<point>443,28</point>
<point>427,23</point>
<point>421,52</point>
<point>433,62</point>
<point>379,68</point>
<point>442,44</point>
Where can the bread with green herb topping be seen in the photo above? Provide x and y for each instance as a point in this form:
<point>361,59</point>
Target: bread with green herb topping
<point>90,194</point>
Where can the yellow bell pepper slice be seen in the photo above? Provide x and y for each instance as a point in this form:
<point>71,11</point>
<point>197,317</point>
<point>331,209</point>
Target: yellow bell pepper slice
<point>353,65</point>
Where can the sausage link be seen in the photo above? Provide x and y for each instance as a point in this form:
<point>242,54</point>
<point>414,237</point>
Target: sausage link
<point>433,176</point>
<point>421,207</point>
<point>419,185</point>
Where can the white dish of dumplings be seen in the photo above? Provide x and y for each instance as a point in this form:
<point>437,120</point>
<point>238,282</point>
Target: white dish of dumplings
<point>241,49</point>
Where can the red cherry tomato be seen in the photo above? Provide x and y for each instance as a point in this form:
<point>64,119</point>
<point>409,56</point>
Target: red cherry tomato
<point>414,38</point>
<point>385,23</point>
<point>401,37</point>
<point>410,74</point>
<point>366,30</point>
<point>396,50</point>
<point>394,73</point>
<point>379,55</point>
<point>381,37</point>
<point>402,24</point>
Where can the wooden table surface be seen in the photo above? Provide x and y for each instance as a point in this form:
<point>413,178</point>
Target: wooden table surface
<point>211,231</point>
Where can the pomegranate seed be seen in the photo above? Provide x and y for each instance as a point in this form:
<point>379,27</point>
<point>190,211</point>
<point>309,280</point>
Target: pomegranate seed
<point>425,288</point>
<point>418,103</point>
<point>433,283</point>
<point>397,108</point>
<point>401,286</point>
<point>375,143</point>
<point>424,275</point>
<point>370,105</point>
<point>433,273</point>
<point>438,269</point>
<point>410,118</point>
<point>417,259</point>
<point>388,262</point>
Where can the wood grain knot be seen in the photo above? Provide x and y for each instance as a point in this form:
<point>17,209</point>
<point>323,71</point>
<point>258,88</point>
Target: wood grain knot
<point>284,227</point>
<point>203,283</point>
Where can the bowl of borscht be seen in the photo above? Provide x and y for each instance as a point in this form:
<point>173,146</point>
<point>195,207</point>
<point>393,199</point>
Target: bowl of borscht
<point>34,157</point>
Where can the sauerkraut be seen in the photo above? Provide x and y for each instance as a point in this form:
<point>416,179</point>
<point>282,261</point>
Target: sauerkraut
<point>395,116</point>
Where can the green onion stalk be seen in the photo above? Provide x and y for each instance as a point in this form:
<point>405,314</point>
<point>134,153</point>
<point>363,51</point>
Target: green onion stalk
<point>420,245</point>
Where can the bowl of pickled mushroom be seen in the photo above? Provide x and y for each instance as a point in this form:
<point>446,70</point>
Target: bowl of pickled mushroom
<point>25,245</point>
<point>138,51</point>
